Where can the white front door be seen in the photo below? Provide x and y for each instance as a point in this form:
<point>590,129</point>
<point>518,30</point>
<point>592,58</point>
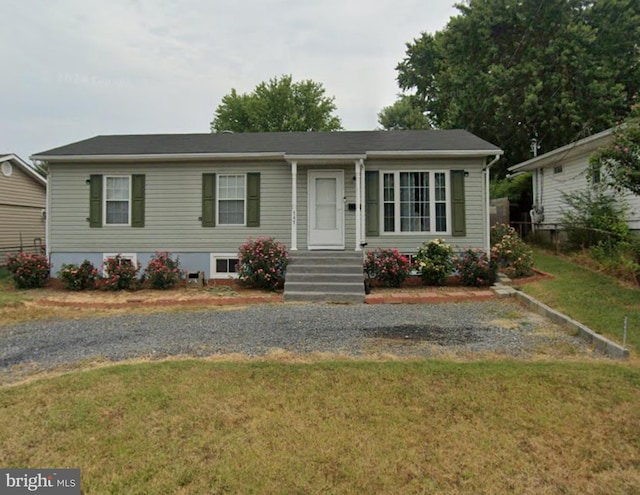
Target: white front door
<point>326,209</point>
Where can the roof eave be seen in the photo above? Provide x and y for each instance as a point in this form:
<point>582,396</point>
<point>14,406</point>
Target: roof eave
<point>434,153</point>
<point>157,157</point>
<point>25,167</point>
<point>552,157</point>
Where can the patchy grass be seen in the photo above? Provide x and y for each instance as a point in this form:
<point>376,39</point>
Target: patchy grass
<point>599,301</point>
<point>333,427</point>
<point>9,296</point>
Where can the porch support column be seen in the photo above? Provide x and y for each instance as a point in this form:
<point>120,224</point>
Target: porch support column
<point>358,166</point>
<point>294,206</point>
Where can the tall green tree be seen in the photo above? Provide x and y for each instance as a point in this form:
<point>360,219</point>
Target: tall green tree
<point>513,70</point>
<point>618,164</point>
<point>404,114</point>
<point>277,105</point>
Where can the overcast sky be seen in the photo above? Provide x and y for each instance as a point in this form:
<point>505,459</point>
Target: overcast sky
<point>73,69</point>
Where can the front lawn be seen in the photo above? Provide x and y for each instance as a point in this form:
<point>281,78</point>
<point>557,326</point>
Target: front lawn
<point>599,301</point>
<point>347,427</point>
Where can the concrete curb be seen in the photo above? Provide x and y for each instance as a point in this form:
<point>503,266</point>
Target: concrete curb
<point>601,343</point>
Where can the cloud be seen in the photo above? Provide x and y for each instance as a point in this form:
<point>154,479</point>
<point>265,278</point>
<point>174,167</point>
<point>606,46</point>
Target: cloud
<point>82,67</point>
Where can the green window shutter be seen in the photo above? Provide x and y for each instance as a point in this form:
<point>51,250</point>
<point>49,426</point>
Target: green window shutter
<point>95,201</point>
<point>137,200</point>
<point>458,213</point>
<point>253,200</point>
<point>372,203</point>
<point>208,217</point>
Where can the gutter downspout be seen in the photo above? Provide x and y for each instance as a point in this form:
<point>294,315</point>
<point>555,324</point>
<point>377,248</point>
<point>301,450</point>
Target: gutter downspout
<point>488,204</point>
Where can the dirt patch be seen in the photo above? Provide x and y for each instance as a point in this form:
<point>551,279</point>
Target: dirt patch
<point>173,297</point>
<point>429,333</point>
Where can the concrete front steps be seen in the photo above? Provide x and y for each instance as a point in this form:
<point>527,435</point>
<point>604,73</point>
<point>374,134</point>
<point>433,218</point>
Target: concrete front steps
<point>325,276</point>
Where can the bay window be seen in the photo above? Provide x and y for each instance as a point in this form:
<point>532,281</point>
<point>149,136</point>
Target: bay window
<point>415,201</point>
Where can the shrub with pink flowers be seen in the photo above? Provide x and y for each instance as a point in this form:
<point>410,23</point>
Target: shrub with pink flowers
<point>510,252</point>
<point>474,268</point>
<point>79,277</point>
<point>262,263</point>
<point>388,266</point>
<point>119,274</point>
<point>163,272</point>
<point>29,270</point>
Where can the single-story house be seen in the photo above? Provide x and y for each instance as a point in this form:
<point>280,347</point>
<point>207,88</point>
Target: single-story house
<point>565,170</point>
<point>22,206</point>
<point>200,196</point>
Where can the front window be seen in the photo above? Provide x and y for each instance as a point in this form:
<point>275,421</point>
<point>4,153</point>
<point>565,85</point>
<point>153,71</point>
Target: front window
<point>117,200</point>
<point>231,200</point>
<point>415,201</point>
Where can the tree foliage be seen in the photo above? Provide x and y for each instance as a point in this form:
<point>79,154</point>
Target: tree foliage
<point>512,70</point>
<point>404,114</point>
<point>618,163</point>
<point>277,105</point>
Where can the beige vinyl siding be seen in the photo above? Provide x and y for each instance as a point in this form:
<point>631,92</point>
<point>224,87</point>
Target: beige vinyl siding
<point>21,189</point>
<point>21,227</point>
<point>173,206</point>
<point>22,200</point>
<point>474,205</point>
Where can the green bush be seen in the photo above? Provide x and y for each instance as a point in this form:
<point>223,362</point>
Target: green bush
<point>79,277</point>
<point>434,261</point>
<point>162,272</point>
<point>475,269</point>
<point>119,274</point>
<point>29,270</point>
<point>387,266</point>
<point>593,217</point>
<point>262,263</point>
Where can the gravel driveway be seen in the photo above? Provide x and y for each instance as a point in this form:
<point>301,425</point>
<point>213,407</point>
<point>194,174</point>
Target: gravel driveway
<point>497,326</point>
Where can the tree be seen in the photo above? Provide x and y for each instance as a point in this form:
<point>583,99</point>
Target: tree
<point>511,71</point>
<point>277,105</point>
<point>403,114</point>
<point>618,164</point>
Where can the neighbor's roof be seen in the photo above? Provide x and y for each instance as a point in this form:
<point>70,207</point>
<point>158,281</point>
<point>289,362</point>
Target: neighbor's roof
<point>288,145</point>
<point>26,168</point>
<point>569,151</point>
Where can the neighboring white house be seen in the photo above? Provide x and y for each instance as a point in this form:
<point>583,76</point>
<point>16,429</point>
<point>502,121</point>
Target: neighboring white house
<point>565,170</point>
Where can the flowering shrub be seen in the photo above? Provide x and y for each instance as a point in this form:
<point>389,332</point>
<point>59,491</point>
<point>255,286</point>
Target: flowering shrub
<point>474,268</point>
<point>29,270</point>
<point>162,272</point>
<point>81,277</point>
<point>433,261</point>
<point>262,263</point>
<point>510,252</point>
<point>119,274</point>
<point>388,266</point>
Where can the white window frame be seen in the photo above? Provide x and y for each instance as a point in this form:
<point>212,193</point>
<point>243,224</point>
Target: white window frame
<point>432,202</point>
<point>129,256</point>
<point>214,273</point>
<point>244,200</point>
<point>105,200</point>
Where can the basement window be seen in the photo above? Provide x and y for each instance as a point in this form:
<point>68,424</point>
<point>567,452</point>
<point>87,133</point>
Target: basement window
<point>224,265</point>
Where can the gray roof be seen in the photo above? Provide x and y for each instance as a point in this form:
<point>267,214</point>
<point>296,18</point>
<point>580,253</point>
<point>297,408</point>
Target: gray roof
<point>286,143</point>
